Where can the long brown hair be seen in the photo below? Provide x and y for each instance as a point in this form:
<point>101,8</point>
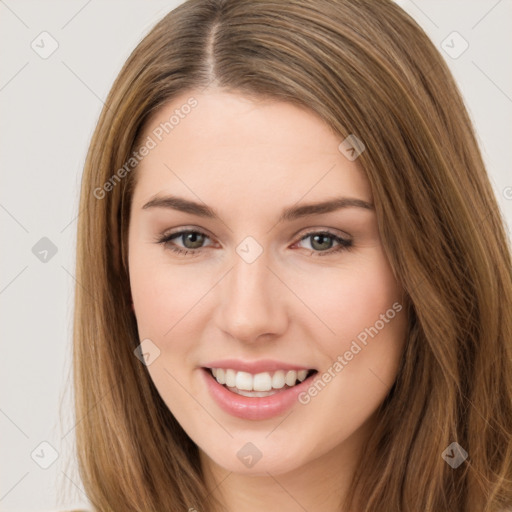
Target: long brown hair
<point>367,69</point>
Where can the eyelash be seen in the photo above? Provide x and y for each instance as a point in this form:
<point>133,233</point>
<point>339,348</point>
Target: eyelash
<point>344,244</point>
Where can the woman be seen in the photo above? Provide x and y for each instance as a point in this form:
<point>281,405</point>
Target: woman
<point>219,363</point>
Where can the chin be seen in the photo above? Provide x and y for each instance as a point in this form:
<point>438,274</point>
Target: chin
<point>258,457</point>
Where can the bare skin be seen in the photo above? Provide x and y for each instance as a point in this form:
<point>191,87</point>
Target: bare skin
<point>301,301</point>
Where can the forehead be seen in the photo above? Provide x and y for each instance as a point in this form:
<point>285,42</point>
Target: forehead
<point>230,147</point>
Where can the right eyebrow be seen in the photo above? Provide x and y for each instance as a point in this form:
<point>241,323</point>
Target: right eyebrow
<point>183,205</point>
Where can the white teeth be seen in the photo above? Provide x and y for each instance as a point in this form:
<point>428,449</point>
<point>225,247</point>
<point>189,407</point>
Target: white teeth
<point>221,377</point>
<point>278,379</point>
<point>255,394</point>
<point>230,378</point>
<point>243,381</point>
<point>291,377</point>
<point>263,382</point>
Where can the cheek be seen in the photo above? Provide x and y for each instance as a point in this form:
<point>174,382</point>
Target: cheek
<point>364,308</point>
<point>352,299</point>
<point>162,293</point>
<point>347,300</point>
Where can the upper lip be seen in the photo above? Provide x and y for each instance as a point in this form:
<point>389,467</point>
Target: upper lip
<point>254,367</point>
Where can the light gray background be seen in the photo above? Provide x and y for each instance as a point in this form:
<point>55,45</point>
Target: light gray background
<point>48,110</point>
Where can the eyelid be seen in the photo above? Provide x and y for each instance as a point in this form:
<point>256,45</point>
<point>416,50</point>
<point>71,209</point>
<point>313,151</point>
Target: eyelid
<point>202,231</point>
<point>183,230</point>
<point>330,231</point>
<point>345,237</point>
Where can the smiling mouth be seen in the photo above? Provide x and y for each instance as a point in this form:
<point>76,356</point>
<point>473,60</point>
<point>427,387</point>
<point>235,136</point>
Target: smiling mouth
<point>261,384</point>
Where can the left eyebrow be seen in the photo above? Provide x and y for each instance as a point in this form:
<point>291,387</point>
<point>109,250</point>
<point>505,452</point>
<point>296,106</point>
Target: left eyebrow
<point>288,214</point>
<point>295,212</point>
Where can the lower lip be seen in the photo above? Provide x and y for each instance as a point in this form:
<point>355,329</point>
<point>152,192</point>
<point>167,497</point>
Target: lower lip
<point>253,408</point>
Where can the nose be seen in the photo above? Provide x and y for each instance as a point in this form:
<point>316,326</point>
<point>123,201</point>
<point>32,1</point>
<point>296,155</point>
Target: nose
<point>252,304</point>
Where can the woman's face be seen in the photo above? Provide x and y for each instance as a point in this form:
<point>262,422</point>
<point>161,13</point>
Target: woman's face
<point>281,271</point>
